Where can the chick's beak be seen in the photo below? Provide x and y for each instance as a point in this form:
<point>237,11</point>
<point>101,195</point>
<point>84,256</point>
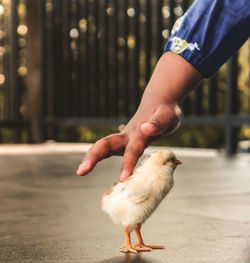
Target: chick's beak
<point>178,162</point>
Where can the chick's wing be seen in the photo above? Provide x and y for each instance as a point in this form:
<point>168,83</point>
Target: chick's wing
<point>136,191</point>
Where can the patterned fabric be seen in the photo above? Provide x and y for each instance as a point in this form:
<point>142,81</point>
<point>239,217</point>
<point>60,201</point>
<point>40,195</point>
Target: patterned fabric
<point>210,32</point>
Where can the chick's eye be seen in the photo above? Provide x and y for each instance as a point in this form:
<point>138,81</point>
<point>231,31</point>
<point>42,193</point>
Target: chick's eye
<point>172,160</point>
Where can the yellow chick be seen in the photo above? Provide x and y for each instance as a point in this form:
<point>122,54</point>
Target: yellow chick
<point>131,202</point>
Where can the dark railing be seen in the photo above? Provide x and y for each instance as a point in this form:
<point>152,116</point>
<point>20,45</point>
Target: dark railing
<point>97,56</point>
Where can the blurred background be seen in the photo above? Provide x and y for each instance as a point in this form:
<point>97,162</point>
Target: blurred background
<point>75,70</point>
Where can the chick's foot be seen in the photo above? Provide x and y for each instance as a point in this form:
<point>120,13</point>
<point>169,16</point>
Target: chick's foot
<point>141,242</point>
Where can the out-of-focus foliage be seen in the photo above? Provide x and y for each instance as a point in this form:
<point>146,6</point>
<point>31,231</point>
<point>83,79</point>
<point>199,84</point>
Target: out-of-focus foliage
<point>244,87</point>
<point>243,78</point>
<point>193,136</point>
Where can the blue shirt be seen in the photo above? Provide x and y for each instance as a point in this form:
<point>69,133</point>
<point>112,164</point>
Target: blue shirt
<point>210,32</point>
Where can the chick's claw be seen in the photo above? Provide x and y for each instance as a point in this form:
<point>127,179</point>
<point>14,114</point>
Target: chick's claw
<point>129,248</point>
<point>154,247</point>
<point>142,247</point>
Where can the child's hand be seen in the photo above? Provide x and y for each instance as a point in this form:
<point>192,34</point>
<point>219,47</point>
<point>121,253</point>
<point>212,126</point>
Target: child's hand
<point>158,115</point>
<point>142,129</point>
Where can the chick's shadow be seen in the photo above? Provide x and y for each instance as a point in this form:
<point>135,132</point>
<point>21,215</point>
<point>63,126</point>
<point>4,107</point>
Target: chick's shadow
<point>127,258</point>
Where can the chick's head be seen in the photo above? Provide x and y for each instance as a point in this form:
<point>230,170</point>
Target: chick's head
<point>164,160</point>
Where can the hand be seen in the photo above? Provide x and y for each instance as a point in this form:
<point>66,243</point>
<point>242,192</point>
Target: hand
<point>158,115</point>
<point>142,129</point>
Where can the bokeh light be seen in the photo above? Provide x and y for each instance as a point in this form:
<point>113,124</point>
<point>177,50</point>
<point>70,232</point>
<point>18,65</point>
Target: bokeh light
<point>121,41</point>
<point>110,11</point>
<point>73,45</point>
<point>21,10</point>
<point>246,131</point>
<point>131,12</point>
<point>142,18</point>
<point>2,51</point>
<point>22,30</point>
<point>74,33</point>
<point>22,42</point>
<point>178,11</point>
<point>49,7</point>
<point>2,79</point>
<point>83,25</point>
<point>165,33</point>
<point>165,12</point>
<point>131,42</point>
<point>1,10</point>
<point>22,71</point>
<point>2,34</point>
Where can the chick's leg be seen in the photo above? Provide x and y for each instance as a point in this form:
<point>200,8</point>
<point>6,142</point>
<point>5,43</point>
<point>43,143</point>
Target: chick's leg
<point>127,244</point>
<point>141,243</point>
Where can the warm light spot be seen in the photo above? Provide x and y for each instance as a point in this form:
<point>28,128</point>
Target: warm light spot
<point>178,11</point>
<point>165,12</point>
<point>247,132</point>
<point>74,33</point>
<point>2,51</point>
<point>2,34</point>
<point>22,42</point>
<point>21,10</point>
<point>83,25</point>
<point>131,12</point>
<point>2,79</point>
<point>73,45</point>
<point>110,11</point>
<point>22,30</point>
<point>165,33</point>
<point>99,35</point>
<point>121,41</point>
<point>121,127</point>
<point>1,10</point>
<point>142,18</point>
<point>22,71</point>
<point>131,42</point>
<point>49,7</point>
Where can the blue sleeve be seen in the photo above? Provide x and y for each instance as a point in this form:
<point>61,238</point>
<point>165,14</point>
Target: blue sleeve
<point>210,32</point>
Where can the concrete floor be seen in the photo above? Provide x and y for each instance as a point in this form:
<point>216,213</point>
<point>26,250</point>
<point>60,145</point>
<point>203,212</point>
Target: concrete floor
<point>48,214</point>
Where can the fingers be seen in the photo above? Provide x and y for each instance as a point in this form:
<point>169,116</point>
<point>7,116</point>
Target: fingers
<point>107,146</point>
<point>164,120</point>
<point>133,152</point>
<point>132,143</point>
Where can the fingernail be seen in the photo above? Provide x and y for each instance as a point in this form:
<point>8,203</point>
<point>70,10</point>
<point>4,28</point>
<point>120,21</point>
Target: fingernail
<point>124,175</point>
<point>83,167</point>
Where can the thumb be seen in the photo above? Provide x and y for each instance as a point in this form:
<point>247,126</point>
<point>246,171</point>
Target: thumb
<point>165,120</point>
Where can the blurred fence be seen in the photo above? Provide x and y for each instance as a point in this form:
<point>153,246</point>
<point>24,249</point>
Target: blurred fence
<point>87,62</point>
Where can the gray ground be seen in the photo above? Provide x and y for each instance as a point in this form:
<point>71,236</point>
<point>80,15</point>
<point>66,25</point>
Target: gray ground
<point>48,214</point>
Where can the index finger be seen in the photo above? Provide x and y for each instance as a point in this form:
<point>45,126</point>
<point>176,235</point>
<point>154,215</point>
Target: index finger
<point>133,152</point>
<point>111,145</point>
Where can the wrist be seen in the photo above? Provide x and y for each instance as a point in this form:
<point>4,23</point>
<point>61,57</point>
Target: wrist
<point>172,80</point>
